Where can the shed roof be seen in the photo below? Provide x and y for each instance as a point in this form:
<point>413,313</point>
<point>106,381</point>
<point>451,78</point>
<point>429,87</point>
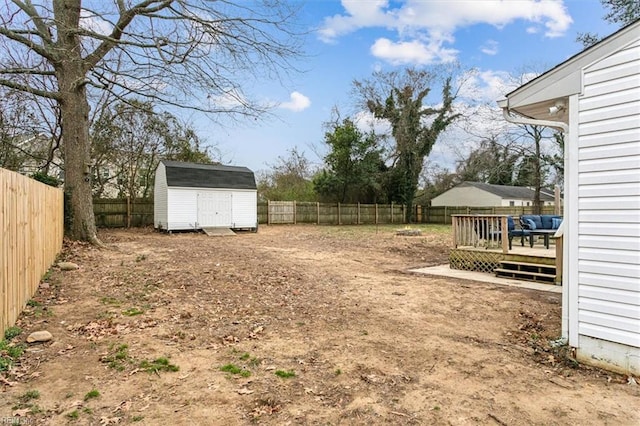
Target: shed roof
<point>509,192</point>
<point>193,175</point>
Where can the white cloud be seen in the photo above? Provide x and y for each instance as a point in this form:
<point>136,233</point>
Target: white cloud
<point>490,47</point>
<point>423,27</point>
<point>95,23</point>
<point>485,86</point>
<point>298,102</point>
<point>411,52</point>
<point>366,122</point>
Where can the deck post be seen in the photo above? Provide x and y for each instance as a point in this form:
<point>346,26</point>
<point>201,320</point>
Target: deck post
<point>505,234</point>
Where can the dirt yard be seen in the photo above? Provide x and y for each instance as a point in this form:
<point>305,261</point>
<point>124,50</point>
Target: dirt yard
<point>295,325</point>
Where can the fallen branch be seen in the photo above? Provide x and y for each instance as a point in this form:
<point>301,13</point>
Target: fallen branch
<point>500,422</point>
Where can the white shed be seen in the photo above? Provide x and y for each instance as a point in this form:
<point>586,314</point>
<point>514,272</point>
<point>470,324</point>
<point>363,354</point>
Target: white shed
<point>189,196</point>
<point>594,97</point>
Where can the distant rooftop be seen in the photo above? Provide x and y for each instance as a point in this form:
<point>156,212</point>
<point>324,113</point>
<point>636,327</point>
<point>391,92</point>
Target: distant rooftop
<point>510,192</point>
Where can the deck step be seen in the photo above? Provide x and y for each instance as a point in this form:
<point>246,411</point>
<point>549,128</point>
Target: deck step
<point>526,271</point>
<point>525,275</point>
<point>518,265</point>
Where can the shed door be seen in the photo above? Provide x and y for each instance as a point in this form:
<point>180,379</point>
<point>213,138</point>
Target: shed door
<point>214,209</point>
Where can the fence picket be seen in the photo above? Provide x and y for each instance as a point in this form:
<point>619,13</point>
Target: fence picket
<point>32,227</point>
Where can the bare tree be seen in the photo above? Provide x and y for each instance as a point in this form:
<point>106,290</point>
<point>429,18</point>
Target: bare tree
<point>400,97</point>
<point>621,12</point>
<point>187,53</point>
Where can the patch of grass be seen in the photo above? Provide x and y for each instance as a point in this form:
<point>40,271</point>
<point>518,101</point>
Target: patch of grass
<point>285,374</point>
<point>110,301</point>
<point>87,410</point>
<point>94,393</point>
<point>35,409</point>
<point>12,332</point>
<point>137,418</point>
<point>337,372</point>
<point>132,312</point>
<point>118,359</point>
<point>157,365</point>
<point>32,303</point>
<point>74,415</point>
<point>234,369</point>
<point>245,356</point>
<point>9,353</point>
<point>29,395</point>
<point>47,275</point>
<point>141,257</point>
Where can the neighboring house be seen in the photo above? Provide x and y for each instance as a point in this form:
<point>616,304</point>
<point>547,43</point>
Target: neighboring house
<point>28,154</point>
<point>189,196</point>
<point>477,194</point>
<point>594,97</point>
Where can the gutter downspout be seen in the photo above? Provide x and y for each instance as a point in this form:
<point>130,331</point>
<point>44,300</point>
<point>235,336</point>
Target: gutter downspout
<point>558,125</point>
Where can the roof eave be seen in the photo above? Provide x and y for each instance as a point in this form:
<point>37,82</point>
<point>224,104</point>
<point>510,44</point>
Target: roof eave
<point>533,99</point>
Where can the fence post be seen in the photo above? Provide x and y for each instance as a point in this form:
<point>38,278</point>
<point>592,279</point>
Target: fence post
<point>268,212</point>
<point>404,213</point>
<point>339,220</point>
<point>358,213</point>
<point>445,215</point>
<point>376,210</point>
<point>128,211</point>
<point>318,211</point>
<point>392,212</point>
<point>295,212</point>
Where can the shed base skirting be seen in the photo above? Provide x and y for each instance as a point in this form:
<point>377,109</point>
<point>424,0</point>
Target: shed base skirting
<point>608,355</point>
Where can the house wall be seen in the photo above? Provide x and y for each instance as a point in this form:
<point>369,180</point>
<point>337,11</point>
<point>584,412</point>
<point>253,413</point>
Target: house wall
<point>607,250</point>
<point>467,196</point>
<point>160,198</point>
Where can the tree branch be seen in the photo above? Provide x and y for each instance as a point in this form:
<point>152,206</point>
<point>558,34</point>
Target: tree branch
<point>126,16</point>
<point>25,88</point>
<point>15,36</point>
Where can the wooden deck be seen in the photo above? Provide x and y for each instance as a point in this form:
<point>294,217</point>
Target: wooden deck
<point>489,260</point>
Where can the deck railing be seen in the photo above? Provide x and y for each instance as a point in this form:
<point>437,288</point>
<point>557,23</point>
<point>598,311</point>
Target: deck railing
<point>486,231</point>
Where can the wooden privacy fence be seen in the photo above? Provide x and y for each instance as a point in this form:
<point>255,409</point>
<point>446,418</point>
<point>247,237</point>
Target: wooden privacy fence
<point>32,228</point>
<point>292,212</point>
<point>123,212</point>
<point>443,214</point>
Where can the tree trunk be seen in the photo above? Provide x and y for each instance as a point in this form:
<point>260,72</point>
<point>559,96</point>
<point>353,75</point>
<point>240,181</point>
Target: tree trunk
<point>77,165</point>
<point>74,110</point>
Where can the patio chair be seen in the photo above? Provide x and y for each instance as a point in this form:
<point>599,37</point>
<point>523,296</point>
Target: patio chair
<point>515,232</point>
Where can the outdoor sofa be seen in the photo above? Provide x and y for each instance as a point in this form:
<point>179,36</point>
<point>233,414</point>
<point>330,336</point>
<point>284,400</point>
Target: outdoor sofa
<point>537,224</point>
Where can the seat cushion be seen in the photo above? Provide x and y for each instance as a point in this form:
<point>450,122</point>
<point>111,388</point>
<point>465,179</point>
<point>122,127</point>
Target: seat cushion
<point>531,224</point>
<point>547,221</point>
<point>555,222</point>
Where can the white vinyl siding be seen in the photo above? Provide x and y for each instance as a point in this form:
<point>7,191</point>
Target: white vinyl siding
<point>182,206</point>
<point>160,199</point>
<point>245,209</point>
<point>608,246</point>
<point>468,197</point>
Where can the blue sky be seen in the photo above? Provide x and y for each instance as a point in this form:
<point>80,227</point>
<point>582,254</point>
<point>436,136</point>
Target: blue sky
<point>350,39</point>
